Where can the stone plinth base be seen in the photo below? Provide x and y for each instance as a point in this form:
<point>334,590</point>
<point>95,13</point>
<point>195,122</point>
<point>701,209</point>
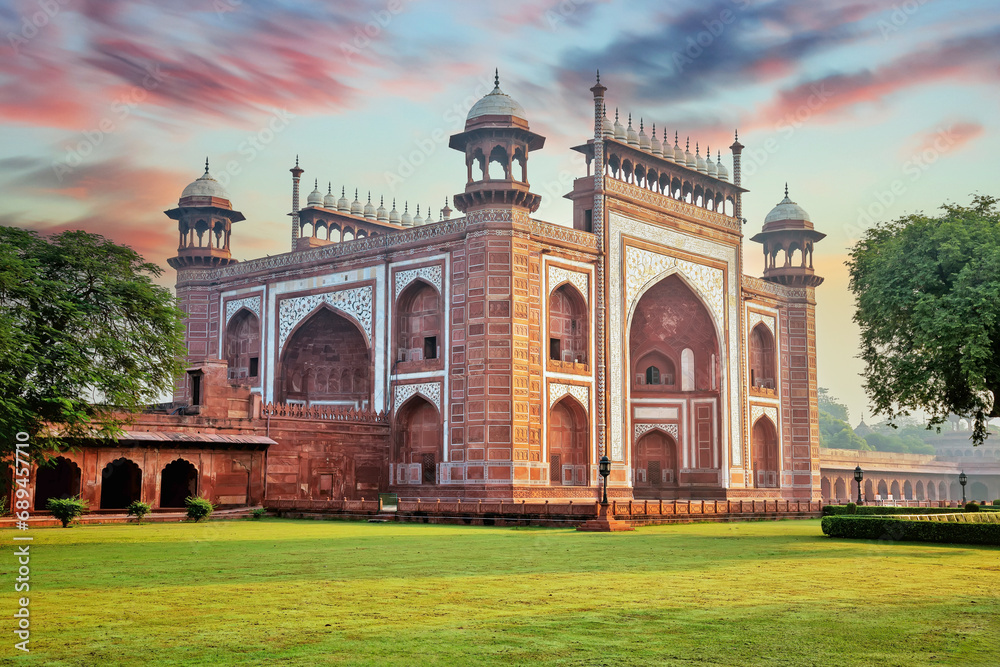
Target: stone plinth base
<point>605,523</point>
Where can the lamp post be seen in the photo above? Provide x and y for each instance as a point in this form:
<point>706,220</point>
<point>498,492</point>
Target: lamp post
<point>859,475</point>
<point>963,480</point>
<point>604,467</point>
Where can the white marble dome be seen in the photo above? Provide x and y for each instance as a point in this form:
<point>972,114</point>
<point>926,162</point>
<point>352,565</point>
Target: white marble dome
<point>205,186</point>
<point>786,210</point>
<point>496,103</point>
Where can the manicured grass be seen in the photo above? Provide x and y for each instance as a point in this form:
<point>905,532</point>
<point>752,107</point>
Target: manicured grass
<point>323,592</point>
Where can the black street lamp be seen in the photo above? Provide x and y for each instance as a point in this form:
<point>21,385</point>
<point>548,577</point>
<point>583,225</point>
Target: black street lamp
<point>859,475</point>
<point>963,480</point>
<point>604,467</point>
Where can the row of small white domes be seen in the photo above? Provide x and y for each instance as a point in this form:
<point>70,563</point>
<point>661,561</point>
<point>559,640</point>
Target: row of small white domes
<point>368,211</point>
<point>663,149</point>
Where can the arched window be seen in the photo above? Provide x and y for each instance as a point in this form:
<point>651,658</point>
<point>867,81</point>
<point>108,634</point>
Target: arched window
<point>567,443</point>
<point>762,373</point>
<point>418,442</point>
<point>418,323</point>
<point>243,346</point>
<point>764,456</point>
<point>568,328</point>
<point>59,479</point>
<point>121,484</point>
<point>687,369</point>
<point>178,481</point>
<point>652,375</point>
<point>655,460</point>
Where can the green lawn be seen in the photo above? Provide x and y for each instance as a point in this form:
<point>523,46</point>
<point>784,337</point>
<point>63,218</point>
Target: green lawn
<point>325,592</point>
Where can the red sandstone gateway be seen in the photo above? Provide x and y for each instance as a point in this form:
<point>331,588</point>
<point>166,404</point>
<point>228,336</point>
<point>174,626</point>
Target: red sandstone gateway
<point>490,356</point>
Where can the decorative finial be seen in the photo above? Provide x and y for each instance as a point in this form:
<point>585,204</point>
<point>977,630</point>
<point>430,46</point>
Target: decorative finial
<point>406,207</point>
<point>393,203</point>
<point>206,164</point>
<point>315,183</point>
<point>369,196</point>
<point>697,151</point>
<point>640,125</point>
<point>675,139</point>
<point>418,209</point>
<point>598,76</point>
<point>296,160</point>
<point>341,190</point>
<point>687,146</point>
<point>786,189</point>
<point>630,120</point>
<point>496,77</point>
<point>718,159</point>
<point>329,188</point>
<point>737,134</point>
<point>381,201</point>
<point>616,114</point>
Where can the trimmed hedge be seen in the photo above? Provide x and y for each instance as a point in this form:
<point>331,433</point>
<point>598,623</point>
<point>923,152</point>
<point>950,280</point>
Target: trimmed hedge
<point>869,510</point>
<point>900,530</point>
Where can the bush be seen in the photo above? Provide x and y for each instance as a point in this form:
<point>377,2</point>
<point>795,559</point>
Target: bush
<point>901,530</point>
<point>258,513</point>
<point>972,506</point>
<point>139,509</point>
<point>869,510</point>
<point>851,508</point>
<point>198,508</point>
<point>66,509</point>
<point>996,502</point>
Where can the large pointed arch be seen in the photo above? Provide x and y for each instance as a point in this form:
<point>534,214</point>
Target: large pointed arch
<point>568,324</point>
<point>764,453</point>
<point>326,344</point>
<point>655,464</point>
<point>568,442</point>
<point>418,323</point>
<point>121,484</point>
<point>242,346</point>
<point>56,479</point>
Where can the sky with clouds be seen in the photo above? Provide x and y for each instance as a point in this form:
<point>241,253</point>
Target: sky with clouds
<point>869,109</point>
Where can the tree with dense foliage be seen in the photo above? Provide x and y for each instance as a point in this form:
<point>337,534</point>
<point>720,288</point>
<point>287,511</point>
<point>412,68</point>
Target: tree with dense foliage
<point>66,510</point>
<point>86,337</point>
<point>831,406</point>
<point>928,304</point>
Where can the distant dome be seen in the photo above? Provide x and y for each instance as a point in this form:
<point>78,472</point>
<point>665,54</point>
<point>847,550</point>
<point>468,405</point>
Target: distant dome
<point>786,210</point>
<point>330,200</point>
<point>723,173</point>
<point>381,214</point>
<point>369,208</point>
<point>655,147</point>
<point>608,130</point>
<point>496,103</point>
<point>356,208</point>
<point>315,197</point>
<point>205,186</point>
<point>343,206</point>
<point>631,135</point>
<point>406,220</point>
<point>712,171</point>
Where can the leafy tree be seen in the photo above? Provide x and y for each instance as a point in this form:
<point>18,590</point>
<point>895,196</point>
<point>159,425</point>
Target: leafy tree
<point>138,509</point>
<point>838,434</point>
<point>85,336</point>
<point>928,304</point>
<point>830,405</point>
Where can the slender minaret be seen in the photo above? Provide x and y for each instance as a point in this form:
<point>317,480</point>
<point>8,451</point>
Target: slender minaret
<point>296,176</point>
<point>597,218</point>
<point>737,149</point>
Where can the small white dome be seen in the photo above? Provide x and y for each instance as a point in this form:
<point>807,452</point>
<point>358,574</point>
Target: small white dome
<point>417,219</point>
<point>679,156</point>
<point>394,214</point>
<point>356,205</point>
<point>723,173</point>
<point>343,206</point>
<point>619,128</point>
<point>708,162</point>
<point>381,214</point>
<point>205,186</point>
<point>689,160</point>
<point>330,200</point>
<point>430,216</point>
<point>315,197</point>
<point>699,161</point>
<point>786,210</point>
<point>633,136</point>
<point>609,128</point>
<point>406,220</point>
<point>369,208</point>
<point>644,144</point>
<point>655,147</point>
<point>496,103</point>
